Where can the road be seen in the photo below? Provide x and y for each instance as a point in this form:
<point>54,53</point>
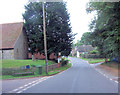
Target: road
<point>80,78</point>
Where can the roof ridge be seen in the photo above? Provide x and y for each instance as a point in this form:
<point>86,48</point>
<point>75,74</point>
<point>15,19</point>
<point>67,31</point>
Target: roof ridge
<point>10,23</point>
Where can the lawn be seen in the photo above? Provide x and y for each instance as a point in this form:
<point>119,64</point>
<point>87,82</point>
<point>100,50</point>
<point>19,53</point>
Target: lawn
<point>51,72</point>
<point>91,60</point>
<point>18,63</point>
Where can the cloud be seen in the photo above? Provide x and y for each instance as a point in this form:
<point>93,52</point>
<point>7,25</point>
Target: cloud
<point>11,10</point>
<point>78,17</point>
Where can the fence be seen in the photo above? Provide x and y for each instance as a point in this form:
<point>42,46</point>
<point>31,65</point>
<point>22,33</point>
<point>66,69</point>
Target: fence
<point>10,71</point>
<point>50,67</point>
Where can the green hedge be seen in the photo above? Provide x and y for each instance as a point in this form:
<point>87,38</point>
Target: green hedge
<point>91,56</point>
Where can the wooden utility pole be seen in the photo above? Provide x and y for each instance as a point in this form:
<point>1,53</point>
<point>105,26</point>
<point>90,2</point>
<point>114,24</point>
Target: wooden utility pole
<point>45,42</point>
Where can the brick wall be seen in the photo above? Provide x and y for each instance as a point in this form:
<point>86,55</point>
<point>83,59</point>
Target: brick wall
<point>41,56</point>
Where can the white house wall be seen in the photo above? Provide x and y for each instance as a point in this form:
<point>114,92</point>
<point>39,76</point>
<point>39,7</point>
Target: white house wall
<point>78,55</point>
<point>0,54</point>
<point>7,54</point>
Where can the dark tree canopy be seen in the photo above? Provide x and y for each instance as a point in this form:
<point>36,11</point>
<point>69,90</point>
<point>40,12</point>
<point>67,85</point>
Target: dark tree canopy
<point>58,28</point>
<point>106,27</point>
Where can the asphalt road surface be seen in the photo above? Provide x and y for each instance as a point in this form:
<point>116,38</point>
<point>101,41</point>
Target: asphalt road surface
<point>80,78</point>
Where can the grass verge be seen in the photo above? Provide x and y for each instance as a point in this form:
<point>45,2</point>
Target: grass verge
<point>52,72</point>
<point>91,60</point>
<point>112,64</point>
<point>18,63</point>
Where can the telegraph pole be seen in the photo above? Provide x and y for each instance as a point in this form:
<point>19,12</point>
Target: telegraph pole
<point>45,42</point>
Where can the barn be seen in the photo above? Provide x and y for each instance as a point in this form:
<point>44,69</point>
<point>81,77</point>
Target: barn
<point>14,41</point>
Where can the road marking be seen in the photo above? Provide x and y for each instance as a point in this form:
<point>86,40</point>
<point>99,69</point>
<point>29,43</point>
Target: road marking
<point>116,81</point>
<point>15,89</point>
<point>105,75</point>
<point>110,79</point>
<point>26,86</point>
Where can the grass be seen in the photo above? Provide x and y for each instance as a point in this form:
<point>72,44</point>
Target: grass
<point>54,71</point>
<point>91,60</point>
<point>109,63</point>
<point>18,63</point>
<point>112,64</point>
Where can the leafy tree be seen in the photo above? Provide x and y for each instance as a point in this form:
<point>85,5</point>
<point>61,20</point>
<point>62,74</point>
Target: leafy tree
<point>58,29</point>
<point>105,27</point>
<point>85,39</point>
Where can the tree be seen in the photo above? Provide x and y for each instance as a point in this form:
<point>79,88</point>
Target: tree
<point>105,27</point>
<point>85,39</point>
<point>58,29</point>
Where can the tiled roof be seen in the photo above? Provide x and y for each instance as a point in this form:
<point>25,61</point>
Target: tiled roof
<point>85,48</point>
<point>10,33</point>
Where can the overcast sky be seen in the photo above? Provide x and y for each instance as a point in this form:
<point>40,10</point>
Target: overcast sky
<point>11,11</point>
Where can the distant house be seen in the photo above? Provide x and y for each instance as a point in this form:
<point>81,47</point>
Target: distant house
<point>84,49</point>
<point>74,50</point>
<point>14,41</point>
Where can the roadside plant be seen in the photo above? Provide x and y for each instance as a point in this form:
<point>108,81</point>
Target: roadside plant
<point>64,61</point>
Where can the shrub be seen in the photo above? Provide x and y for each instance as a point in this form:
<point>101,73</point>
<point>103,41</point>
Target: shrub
<point>75,54</point>
<point>92,56</point>
<point>93,52</point>
<point>64,61</point>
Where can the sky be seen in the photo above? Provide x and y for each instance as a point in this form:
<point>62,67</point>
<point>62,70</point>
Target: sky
<point>12,10</point>
<point>79,17</point>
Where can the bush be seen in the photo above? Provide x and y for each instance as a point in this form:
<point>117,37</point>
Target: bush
<point>70,54</point>
<point>93,52</point>
<point>64,61</point>
<point>92,56</point>
<point>75,54</point>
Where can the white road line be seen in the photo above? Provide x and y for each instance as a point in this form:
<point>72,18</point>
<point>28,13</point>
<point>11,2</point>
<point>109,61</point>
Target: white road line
<point>26,86</point>
<point>116,81</point>
<point>15,89</point>
<point>106,76</point>
<point>110,79</point>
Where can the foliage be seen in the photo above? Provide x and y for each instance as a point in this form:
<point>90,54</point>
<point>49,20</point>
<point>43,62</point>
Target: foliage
<point>58,28</point>
<point>93,52</point>
<point>77,44</point>
<point>105,27</point>
<point>85,39</point>
<point>64,61</point>
<point>91,56</point>
<point>93,60</point>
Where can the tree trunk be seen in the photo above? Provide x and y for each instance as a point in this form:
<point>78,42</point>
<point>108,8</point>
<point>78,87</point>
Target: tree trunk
<point>48,56</point>
<point>106,59</point>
